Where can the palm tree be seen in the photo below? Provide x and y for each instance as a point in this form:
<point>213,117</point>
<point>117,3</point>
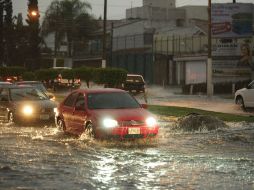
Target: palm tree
<point>68,19</point>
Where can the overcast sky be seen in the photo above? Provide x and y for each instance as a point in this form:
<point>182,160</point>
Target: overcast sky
<point>116,8</point>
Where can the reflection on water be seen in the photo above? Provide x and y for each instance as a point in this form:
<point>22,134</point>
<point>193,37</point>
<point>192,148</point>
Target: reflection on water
<point>45,158</point>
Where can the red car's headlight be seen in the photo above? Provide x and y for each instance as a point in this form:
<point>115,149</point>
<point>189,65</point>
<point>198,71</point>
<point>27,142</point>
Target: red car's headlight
<point>151,122</point>
<point>109,123</point>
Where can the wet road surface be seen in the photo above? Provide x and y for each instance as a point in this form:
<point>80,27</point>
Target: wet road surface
<point>42,157</point>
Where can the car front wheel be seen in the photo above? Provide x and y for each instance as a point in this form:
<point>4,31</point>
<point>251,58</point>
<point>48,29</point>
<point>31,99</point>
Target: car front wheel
<point>240,102</point>
<point>61,125</point>
<point>89,130</point>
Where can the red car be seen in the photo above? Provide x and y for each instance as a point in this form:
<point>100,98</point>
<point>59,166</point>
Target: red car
<point>105,113</point>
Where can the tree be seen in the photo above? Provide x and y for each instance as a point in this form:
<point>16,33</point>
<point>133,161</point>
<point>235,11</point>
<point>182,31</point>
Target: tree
<point>68,19</point>
<point>34,38</point>
<point>8,32</point>
<point>21,37</point>
<point>1,32</point>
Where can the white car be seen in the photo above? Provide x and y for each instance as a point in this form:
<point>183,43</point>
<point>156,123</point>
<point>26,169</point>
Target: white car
<point>245,96</point>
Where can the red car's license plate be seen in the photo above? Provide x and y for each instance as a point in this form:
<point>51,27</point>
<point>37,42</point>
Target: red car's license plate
<point>133,131</point>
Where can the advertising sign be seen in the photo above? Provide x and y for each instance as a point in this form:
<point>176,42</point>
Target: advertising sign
<point>231,20</point>
<point>233,59</point>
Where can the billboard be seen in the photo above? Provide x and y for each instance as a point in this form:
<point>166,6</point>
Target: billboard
<point>232,20</point>
<point>233,59</point>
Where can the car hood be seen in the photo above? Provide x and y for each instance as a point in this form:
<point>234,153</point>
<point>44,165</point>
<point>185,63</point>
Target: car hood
<point>241,90</point>
<point>137,114</point>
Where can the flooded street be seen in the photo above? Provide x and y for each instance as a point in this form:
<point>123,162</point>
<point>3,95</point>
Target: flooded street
<point>45,158</point>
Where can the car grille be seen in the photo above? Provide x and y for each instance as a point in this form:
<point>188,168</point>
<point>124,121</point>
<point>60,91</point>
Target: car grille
<point>131,123</point>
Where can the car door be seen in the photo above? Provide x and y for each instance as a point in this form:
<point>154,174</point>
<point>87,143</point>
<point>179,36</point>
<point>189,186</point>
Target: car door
<point>79,115</point>
<point>4,103</point>
<point>249,96</point>
<point>67,110</point>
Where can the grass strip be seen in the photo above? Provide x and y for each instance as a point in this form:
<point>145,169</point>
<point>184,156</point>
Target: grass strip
<point>182,111</point>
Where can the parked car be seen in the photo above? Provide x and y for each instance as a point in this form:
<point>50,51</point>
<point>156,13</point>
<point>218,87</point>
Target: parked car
<point>105,113</point>
<point>2,84</point>
<point>134,83</point>
<point>25,104</point>
<point>245,96</point>
<point>39,85</point>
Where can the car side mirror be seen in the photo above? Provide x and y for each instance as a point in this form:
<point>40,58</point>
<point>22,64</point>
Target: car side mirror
<point>145,106</point>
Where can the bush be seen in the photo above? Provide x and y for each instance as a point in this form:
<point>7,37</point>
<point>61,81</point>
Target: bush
<point>46,74</point>
<point>67,73</point>
<point>110,77</point>
<point>11,71</point>
<point>30,76</point>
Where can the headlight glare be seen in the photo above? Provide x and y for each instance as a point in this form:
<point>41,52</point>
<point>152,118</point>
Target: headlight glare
<point>109,123</point>
<point>151,122</point>
<point>27,110</point>
<point>56,111</point>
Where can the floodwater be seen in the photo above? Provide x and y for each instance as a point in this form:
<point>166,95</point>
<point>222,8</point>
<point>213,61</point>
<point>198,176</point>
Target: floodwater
<point>45,158</point>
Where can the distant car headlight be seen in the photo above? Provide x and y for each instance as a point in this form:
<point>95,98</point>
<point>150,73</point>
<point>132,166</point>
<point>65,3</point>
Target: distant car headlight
<point>109,123</point>
<point>27,110</point>
<point>52,98</point>
<point>151,122</point>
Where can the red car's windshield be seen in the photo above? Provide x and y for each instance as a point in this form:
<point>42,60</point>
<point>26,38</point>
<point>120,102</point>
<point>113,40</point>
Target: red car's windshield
<point>114,100</point>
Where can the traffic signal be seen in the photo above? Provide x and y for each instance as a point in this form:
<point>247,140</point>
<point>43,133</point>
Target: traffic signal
<point>33,11</point>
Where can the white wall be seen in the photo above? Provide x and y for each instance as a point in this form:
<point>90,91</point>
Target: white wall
<point>155,13</point>
<point>160,3</point>
<point>195,12</point>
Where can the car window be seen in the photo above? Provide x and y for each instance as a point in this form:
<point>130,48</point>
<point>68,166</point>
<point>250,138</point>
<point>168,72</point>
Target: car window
<point>20,94</point>
<point>251,86</point>
<point>70,99</point>
<point>39,86</point>
<point>80,103</point>
<point>114,100</point>
<point>4,94</point>
<point>134,79</point>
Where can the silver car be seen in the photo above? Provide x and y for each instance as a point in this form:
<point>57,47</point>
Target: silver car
<point>245,96</point>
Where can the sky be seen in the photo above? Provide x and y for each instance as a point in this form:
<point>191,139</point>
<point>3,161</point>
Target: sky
<point>116,8</point>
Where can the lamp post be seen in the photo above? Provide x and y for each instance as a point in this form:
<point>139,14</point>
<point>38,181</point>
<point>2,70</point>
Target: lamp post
<point>104,54</point>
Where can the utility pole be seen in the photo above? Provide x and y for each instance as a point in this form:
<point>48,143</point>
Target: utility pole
<point>209,60</point>
<point>104,53</point>
<point>234,1</point>
<point>111,43</point>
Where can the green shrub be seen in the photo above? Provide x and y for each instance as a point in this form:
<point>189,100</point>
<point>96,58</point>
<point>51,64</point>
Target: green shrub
<point>46,74</point>
<point>67,73</point>
<point>30,76</point>
<point>110,77</point>
<point>11,71</point>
